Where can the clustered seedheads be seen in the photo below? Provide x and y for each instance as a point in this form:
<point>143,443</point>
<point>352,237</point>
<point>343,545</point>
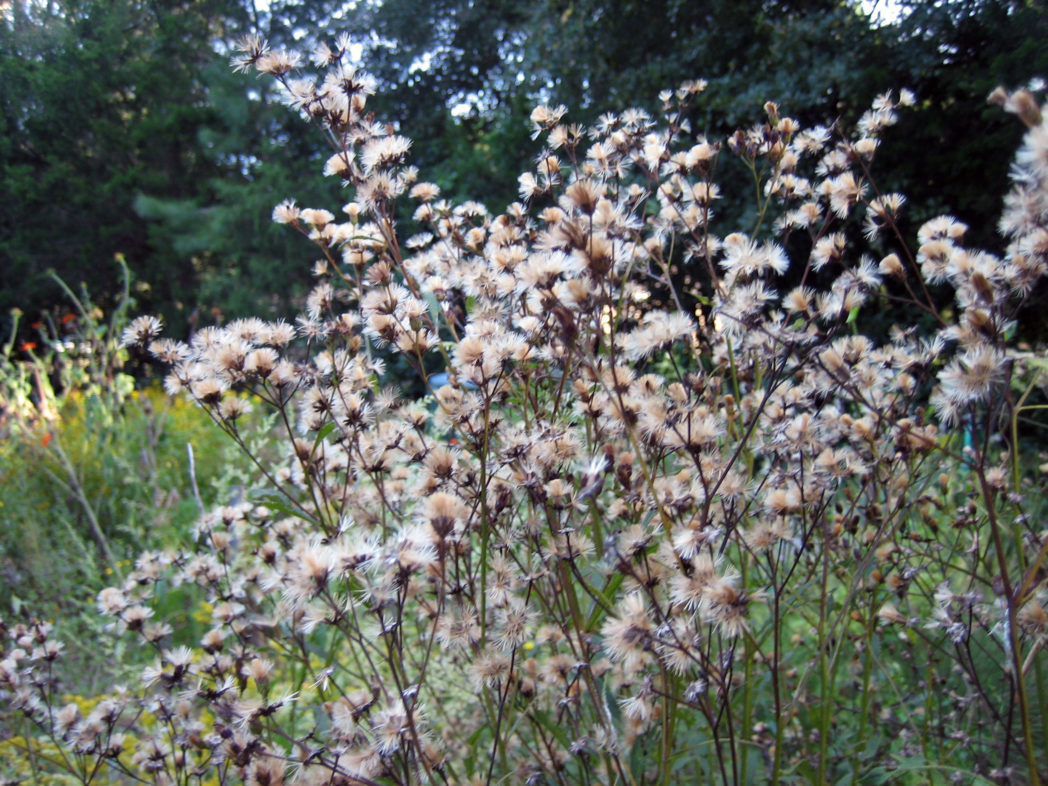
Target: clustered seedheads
<point>646,529</point>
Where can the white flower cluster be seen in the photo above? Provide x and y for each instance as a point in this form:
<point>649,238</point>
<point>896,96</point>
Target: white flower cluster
<point>645,457</point>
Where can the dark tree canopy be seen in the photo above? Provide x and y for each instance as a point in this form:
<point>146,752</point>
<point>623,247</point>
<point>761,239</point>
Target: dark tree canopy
<point>122,129</point>
<point>101,102</point>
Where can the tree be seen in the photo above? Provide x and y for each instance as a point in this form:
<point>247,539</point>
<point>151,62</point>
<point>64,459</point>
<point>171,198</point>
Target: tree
<point>461,76</point>
<point>122,130</point>
<point>242,262</point>
<point>101,103</point>
<point>953,152</point>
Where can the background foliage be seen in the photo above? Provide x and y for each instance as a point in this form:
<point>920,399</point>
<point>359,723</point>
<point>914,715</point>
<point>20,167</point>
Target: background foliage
<point>122,130</point>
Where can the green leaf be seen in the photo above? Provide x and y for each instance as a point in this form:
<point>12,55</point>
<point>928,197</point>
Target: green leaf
<point>324,433</point>
<point>435,311</point>
<point>277,503</point>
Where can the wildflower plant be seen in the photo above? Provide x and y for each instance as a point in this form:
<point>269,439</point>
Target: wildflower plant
<point>91,472</point>
<point>641,527</point>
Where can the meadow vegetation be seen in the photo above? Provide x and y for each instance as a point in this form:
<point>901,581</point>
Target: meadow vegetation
<point>641,527</point>
<point>92,471</point>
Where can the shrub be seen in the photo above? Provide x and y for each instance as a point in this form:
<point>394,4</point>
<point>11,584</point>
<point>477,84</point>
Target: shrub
<point>628,540</point>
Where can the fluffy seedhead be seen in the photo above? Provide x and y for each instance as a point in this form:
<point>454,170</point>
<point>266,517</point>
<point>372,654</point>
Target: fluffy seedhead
<point>662,497</point>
